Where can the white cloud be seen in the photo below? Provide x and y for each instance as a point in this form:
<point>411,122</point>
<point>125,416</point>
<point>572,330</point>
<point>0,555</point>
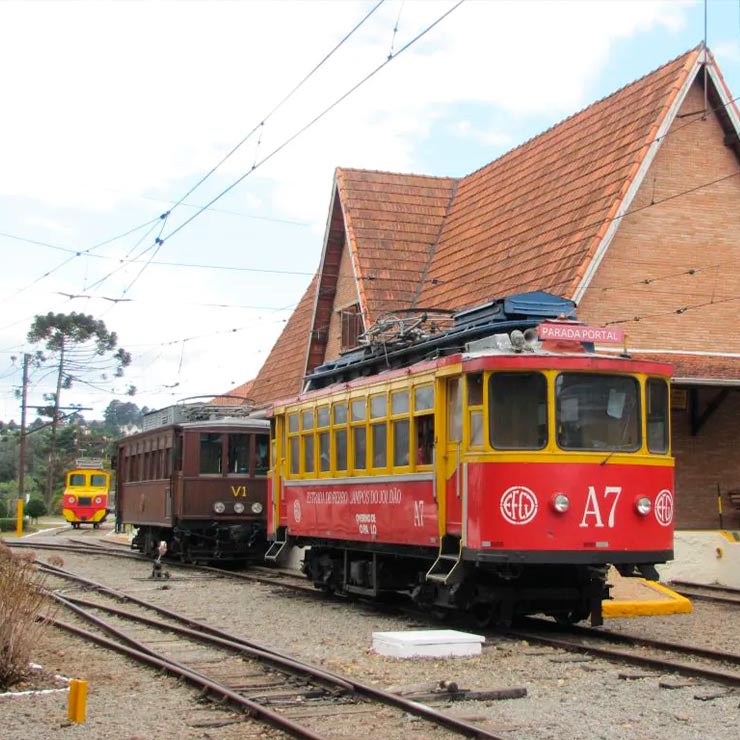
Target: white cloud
<point>108,106</point>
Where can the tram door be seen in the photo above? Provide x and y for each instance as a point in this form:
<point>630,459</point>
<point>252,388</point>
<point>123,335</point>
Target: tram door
<point>452,452</point>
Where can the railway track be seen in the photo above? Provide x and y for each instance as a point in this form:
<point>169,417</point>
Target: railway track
<point>694,661</point>
<point>267,684</point>
<point>704,592</point>
<point>703,663</point>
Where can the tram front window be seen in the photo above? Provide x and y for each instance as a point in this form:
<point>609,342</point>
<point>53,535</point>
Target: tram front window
<point>77,479</point>
<point>517,411</point>
<point>597,412</point>
<point>210,453</point>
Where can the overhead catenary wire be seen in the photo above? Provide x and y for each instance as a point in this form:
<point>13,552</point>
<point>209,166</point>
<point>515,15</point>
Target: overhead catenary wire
<point>315,119</point>
<point>277,107</point>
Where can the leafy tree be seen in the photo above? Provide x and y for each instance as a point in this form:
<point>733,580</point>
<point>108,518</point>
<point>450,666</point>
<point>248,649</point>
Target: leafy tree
<point>36,508</point>
<point>81,350</point>
<point>120,415</point>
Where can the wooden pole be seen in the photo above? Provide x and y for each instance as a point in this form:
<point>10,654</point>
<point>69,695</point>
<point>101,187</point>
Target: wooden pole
<point>22,449</point>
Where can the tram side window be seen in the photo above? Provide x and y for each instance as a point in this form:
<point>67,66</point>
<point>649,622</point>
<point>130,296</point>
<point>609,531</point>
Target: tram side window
<point>238,452</point>
<point>424,424</point>
<point>77,479</point>
<point>379,430</point>
<point>322,422</point>
<point>359,434</point>
<point>307,440</point>
<point>474,383</point>
<point>262,454</point>
<point>657,415</point>
<point>597,412</point>
<point>401,428</point>
<point>210,453</point>
<point>454,410</point>
<point>340,436</point>
<point>293,444</point>
<point>517,411</point>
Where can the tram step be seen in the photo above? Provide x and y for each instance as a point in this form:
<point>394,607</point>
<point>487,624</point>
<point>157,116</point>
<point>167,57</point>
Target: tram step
<point>278,545</point>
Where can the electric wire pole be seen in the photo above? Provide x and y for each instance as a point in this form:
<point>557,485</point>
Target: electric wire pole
<point>22,450</point>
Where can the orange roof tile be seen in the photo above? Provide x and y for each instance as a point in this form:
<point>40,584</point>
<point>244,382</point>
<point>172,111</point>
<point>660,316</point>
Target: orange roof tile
<point>393,222</point>
<point>534,217</point>
<point>283,371</point>
<point>236,396</point>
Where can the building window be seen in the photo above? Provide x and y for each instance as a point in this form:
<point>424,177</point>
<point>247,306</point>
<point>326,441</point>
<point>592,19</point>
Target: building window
<point>352,325</point>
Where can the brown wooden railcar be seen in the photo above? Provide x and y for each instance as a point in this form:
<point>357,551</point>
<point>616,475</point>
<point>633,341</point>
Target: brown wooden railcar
<point>201,487</point>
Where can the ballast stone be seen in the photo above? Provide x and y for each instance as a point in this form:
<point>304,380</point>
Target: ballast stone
<point>427,644</point>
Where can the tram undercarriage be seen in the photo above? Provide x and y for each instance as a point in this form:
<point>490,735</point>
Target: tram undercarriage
<point>490,593</point>
<point>204,541</point>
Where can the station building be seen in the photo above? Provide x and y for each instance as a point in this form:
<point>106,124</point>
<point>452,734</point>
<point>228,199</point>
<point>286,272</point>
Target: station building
<point>630,207</point>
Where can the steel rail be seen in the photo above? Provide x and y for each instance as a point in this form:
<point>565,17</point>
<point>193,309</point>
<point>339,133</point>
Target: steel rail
<point>628,639</point>
<point>731,679</point>
<point>714,594</point>
<point>252,708</point>
<point>58,546</point>
<point>75,603</point>
<point>420,710</point>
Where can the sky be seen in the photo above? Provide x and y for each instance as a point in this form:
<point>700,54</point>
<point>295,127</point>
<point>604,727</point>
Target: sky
<point>113,112</point>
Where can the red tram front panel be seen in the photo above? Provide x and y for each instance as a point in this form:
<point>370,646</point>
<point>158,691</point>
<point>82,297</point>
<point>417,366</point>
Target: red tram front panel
<point>398,511</point>
<point>510,506</point>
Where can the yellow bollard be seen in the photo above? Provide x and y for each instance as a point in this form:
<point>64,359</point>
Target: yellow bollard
<point>77,701</point>
<point>19,520</point>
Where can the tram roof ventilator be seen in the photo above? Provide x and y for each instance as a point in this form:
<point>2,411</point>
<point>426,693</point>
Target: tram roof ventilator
<point>520,312</point>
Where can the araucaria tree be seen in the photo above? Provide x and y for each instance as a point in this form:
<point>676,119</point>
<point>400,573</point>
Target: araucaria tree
<point>82,350</point>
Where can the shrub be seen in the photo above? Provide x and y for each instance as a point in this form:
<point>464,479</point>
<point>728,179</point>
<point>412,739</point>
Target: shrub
<point>36,508</point>
<point>57,504</point>
<point>7,524</point>
<point>21,601</point>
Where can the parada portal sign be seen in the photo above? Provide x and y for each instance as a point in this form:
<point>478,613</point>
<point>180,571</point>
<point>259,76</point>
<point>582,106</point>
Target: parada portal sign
<point>579,333</point>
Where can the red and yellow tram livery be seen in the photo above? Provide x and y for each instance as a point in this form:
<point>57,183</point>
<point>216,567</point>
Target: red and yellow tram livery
<point>500,467</point>
<point>86,492</point>
<point>200,486</point>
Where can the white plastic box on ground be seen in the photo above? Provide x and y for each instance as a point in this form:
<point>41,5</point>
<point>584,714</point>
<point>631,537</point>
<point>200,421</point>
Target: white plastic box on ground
<point>427,644</point>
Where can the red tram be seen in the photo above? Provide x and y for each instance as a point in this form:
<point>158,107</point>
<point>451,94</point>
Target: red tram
<point>200,486</point>
<point>487,468</point>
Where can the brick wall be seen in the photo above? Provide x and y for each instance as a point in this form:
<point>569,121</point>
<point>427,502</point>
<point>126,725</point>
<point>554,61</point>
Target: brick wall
<point>711,457</point>
<point>681,254</point>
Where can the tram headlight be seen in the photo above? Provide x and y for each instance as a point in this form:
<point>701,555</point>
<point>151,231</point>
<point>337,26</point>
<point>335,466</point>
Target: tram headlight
<point>643,505</point>
<point>256,507</point>
<point>238,507</point>
<point>98,500</point>
<point>219,507</point>
<point>561,503</point>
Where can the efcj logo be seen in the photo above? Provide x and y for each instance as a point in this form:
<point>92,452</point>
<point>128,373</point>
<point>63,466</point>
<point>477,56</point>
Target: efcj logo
<point>297,511</point>
<point>518,505</point>
<point>664,507</point>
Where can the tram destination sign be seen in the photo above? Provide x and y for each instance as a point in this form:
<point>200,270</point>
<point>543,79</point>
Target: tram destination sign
<point>578,333</point>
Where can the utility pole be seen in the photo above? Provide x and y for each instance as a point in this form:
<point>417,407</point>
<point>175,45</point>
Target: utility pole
<point>22,452</point>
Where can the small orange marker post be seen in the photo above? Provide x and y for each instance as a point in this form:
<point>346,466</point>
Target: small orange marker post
<point>19,518</point>
<point>77,701</point>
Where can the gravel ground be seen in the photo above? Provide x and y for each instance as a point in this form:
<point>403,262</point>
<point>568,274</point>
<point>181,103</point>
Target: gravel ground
<point>568,696</point>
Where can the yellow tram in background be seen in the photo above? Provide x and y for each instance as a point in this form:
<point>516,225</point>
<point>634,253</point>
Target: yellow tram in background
<point>86,493</point>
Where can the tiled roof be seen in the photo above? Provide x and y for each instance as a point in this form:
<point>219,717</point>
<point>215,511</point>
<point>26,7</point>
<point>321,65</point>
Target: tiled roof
<point>393,222</point>
<point>285,366</point>
<point>236,396</point>
<point>534,217</point>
